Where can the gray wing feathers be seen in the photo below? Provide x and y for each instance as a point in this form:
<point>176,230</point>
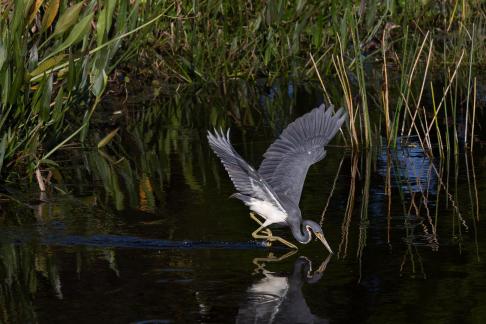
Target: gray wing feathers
<point>299,146</point>
<point>244,177</point>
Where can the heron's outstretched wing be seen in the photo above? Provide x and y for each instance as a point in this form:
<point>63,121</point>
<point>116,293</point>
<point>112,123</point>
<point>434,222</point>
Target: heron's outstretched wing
<point>245,178</point>
<point>299,146</point>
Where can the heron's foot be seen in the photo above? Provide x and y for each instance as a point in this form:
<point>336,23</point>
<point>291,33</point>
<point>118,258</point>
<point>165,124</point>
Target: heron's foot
<point>265,243</point>
<point>283,241</point>
<point>269,237</point>
<point>272,238</point>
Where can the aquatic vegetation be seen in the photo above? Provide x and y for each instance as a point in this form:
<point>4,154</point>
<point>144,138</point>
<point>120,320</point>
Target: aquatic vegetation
<point>383,61</point>
<point>105,104</point>
<point>55,58</point>
<point>403,219</point>
<point>221,40</point>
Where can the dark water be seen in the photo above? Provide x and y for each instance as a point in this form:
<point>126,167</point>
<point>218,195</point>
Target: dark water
<point>146,234</point>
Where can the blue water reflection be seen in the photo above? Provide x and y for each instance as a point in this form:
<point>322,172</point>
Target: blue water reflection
<point>410,168</point>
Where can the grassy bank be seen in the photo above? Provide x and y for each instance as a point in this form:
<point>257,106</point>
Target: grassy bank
<point>217,40</point>
<point>385,57</point>
<point>400,68</point>
<point>55,61</point>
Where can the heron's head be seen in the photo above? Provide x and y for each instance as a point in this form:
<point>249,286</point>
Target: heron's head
<point>313,227</point>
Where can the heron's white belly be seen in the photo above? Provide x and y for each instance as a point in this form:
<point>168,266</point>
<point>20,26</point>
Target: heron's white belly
<point>268,211</point>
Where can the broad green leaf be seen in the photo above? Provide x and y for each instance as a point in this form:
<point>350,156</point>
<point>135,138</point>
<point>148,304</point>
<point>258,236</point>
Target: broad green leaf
<point>119,196</point>
<point>3,54</point>
<point>20,14</point>
<point>100,83</point>
<point>76,34</point>
<point>300,5</point>
<point>68,19</point>
<point>109,16</point>
<point>48,162</point>
<point>47,65</point>
<point>3,148</point>
<point>46,99</point>
<point>256,23</point>
<point>50,14</point>
<point>84,131</point>
<point>107,139</point>
<point>101,27</point>
<point>57,115</point>
<point>6,85</point>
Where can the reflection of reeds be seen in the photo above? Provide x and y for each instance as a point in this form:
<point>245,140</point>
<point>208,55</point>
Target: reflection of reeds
<point>365,196</point>
<point>412,253</point>
<point>29,268</point>
<point>475,186</point>
<point>388,194</point>
<point>420,184</point>
<point>473,198</point>
<point>323,214</point>
<point>449,196</point>
<point>18,282</point>
<point>343,245</point>
<point>474,114</point>
<point>25,266</point>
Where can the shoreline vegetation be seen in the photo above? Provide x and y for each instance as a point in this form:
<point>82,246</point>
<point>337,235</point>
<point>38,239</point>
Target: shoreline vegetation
<point>107,102</point>
<point>400,68</point>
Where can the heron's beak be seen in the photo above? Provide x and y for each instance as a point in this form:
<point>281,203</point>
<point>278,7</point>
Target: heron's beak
<point>321,237</point>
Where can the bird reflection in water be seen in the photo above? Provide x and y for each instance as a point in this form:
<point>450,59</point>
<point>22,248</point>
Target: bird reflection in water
<point>277,297</point>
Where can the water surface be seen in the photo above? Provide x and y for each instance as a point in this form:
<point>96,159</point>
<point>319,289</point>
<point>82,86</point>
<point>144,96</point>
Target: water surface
<point>146,233</point>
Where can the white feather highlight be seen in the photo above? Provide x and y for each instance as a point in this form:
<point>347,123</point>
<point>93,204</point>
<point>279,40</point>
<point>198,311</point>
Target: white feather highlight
<point>267,210</point>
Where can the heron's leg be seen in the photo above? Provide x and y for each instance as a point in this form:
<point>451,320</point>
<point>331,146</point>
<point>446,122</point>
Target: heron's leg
<point>259,236</point>
<point>269,237</point>
<point>266,231</point>
<point>283,241</point>
<point>260,262</point>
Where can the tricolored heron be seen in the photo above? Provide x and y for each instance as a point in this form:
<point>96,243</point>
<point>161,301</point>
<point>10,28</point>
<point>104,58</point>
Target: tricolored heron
<point>273,192</point>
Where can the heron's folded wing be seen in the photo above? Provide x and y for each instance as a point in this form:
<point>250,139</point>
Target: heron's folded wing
<point>299,146</point>
<point>245,178</point>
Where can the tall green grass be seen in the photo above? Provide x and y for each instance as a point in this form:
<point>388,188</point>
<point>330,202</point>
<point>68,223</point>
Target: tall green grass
<point>381,60</point>
<point>55,58</point>
<point>409,44</point>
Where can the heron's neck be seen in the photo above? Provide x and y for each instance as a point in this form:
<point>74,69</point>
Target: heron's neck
<point>300,233</point>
